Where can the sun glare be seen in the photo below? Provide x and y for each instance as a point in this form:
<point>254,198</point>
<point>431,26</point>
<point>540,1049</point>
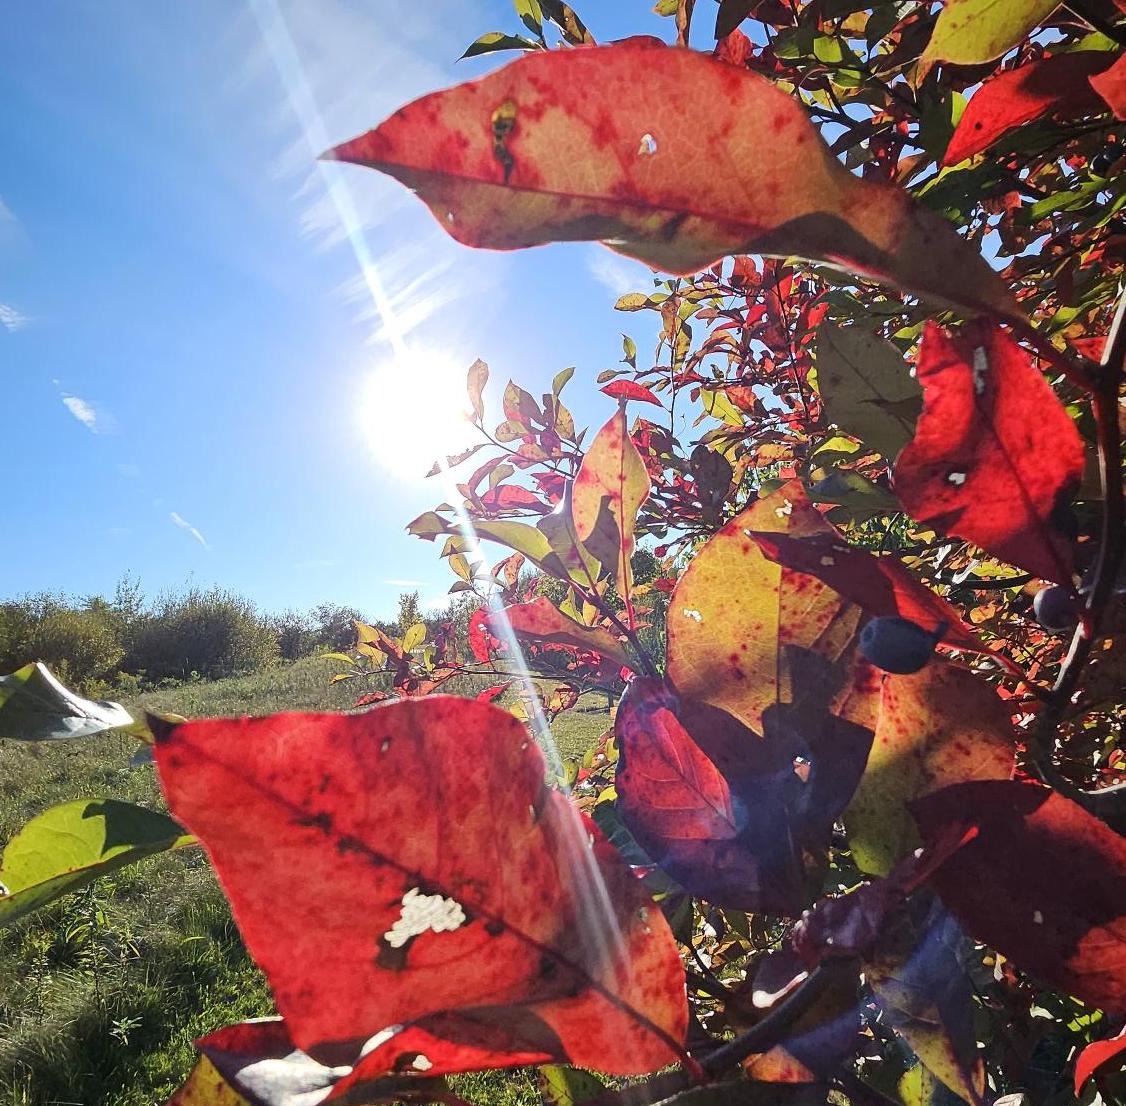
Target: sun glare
<point>411,412</point>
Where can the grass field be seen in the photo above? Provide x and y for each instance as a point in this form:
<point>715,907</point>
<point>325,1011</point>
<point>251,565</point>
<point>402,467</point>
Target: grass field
<point>102,993</point>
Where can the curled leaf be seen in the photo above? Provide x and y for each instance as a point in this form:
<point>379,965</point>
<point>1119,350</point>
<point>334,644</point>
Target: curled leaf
<point>35,706</point>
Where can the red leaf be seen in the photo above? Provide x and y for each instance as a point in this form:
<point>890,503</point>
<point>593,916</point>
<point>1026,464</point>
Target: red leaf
<point>482,642</point>
<point>627,389</point>
<point>881,585</point>
<point>1041,881</point>
<point>722,811</point>
<point>541,621</point>
<point>1056,86</point>
<point>734,48</point>
<point>389,1065</point>
<point>492,694</point>
<point>1094,1056</point>
<point>512,497</point>
<point>371,698</point>
<point>591,144</point>
<point>377,881</point>
<point>1111,86</point>
<point>995,458</point>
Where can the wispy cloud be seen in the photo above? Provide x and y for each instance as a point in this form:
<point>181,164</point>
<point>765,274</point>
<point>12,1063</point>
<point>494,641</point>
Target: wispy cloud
<point>6,215</point>
<point>183,523</point>
<point>11,319</point>
<point>406,583</point>
<point>93,416</point>
<point>617,274</point>
<point>84,412</point>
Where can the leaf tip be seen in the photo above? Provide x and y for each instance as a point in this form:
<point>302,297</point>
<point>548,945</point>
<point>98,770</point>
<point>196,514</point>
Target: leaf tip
<point>161,727</point>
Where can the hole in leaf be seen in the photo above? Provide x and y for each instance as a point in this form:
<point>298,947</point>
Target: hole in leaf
<point>648,146</point>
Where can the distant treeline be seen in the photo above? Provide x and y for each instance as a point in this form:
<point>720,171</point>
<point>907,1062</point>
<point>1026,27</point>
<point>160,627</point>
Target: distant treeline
<point>124,643</point>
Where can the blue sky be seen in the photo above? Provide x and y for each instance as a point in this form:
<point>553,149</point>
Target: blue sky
<point>197,384</point>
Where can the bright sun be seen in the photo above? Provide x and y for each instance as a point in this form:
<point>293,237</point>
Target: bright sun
<point>411,412</point>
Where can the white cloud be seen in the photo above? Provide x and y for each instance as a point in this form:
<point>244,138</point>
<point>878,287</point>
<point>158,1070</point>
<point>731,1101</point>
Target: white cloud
<point>617,274</point>
<point>11,319</point>
<point>6,215</point>
<point>183,523</point>
<point>84,412</point>
<point>344,69</point>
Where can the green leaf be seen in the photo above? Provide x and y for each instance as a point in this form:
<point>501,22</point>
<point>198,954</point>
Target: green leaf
<point>530,15</point>
<point>919,979</point>
<point>867,388</point>
<point>562,1085</point>
<point>414,637</point>
<point>609,489</point>
<point>860,496</point>
<point>69,845</point>
<point>495,41</point>
<point>342,657</point>
<point>560,380</point>
<point>969,32</point>
<point>34,706</point>
<point>428,525</point>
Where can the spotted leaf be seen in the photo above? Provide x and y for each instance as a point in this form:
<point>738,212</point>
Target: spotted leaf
<point>995,458</point>
<point>377,882</point>
<point>593,144</point>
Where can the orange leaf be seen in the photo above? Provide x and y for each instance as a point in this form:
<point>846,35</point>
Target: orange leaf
<point>937,727</point>
<point>733,611</point>
<point>675,158</point>
<point>609,489</point>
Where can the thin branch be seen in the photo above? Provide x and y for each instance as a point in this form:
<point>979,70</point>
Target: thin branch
<point>1082,9</point>
<point>775,1026</point>
<point>1112,547</point>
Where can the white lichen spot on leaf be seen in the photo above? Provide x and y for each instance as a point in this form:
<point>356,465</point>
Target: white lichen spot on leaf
<point>424,913</point>
<point>980,368</point>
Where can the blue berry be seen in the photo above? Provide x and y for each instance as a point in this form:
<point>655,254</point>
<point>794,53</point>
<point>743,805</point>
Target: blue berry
<point>897,644</point>
<point>1056,608</point>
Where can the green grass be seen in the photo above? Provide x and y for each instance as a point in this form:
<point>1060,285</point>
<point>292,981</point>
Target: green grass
<point>102,993</point>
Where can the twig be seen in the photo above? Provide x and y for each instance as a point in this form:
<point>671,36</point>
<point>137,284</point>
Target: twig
<point>1082,10</point>
<point>1077,373</point>
<point>1112,546</point>
<point>773,1028</point>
